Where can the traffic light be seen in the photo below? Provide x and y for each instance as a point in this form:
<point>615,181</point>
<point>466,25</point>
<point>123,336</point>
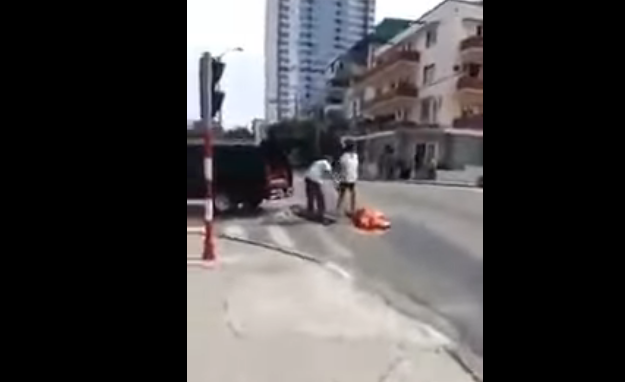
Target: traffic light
<point>211,99</point>
<point>217,95</point>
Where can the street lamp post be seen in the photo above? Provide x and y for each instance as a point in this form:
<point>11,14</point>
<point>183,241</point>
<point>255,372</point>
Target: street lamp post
<point>237,49</point>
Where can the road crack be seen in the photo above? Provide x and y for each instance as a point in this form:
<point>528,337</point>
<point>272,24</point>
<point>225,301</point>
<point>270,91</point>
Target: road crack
<point>394,365</point>
<point>229,321</point>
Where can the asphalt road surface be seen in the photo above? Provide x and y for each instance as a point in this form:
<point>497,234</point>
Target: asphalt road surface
<point>432,256</point>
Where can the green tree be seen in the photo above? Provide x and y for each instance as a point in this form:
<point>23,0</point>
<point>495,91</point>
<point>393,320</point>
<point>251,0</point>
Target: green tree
<point>241,133</point>
<point>306,140</point>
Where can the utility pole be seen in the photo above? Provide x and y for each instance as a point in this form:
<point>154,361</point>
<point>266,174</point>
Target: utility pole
<point>206,116</point>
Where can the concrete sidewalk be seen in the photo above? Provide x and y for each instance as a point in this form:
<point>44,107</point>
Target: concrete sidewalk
<point>264,317</point>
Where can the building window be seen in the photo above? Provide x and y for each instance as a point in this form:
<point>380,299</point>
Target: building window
<point>480,30</point>
<point>430,37</point>
<point>429,73</point>
<point>426,108</point>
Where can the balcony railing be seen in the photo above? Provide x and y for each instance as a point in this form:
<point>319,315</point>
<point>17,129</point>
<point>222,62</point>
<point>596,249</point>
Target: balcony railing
<point>387,122</point>
<point>470,83</point>
<point>469,122</point>
<point>401,90</point>
<point>472,42</point>
<point>391,58</point>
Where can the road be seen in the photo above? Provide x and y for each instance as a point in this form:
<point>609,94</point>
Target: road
<point>432,256</point>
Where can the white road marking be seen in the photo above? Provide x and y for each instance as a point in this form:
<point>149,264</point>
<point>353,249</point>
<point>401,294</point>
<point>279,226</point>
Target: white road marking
<point>280,236</point>
<point>195,230</point>
<point>235,230</point>
<point>196,202</point>
<point>333,245</point>
<point>198,263</point>
<point>338,270</point>
<point>202,264</point>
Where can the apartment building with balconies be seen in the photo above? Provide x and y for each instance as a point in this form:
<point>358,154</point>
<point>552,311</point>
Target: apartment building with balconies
<point>431,74</point>
<point>347,67</point>
<point>427,83</point>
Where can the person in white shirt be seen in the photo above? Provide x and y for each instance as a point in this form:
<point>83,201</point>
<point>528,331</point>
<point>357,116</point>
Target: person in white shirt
<point>349,177</point>
<point>317,172</point>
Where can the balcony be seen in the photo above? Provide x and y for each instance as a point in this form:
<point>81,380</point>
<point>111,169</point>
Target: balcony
<point>403,93</point>
<point>472,49</point>
<point>393,61</point>
<point>385,122</point>
<point>472,42</point>
<point>470,91</point>
<point>472,122</point>
<point>473,84</point>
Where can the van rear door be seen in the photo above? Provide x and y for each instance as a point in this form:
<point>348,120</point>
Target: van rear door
<point>278,171</point>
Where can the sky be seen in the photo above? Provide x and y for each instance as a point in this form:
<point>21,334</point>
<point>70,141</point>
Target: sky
<point>221,25</point>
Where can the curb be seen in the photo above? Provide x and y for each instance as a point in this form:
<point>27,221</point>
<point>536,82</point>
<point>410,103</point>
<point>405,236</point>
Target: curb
<point>428,183</point>
<point>470,363</point>
<point>327,265</point>
<point>441,184</point>
<point>420,310</point>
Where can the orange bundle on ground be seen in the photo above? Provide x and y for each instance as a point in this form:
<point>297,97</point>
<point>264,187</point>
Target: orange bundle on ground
<point>369,219</point>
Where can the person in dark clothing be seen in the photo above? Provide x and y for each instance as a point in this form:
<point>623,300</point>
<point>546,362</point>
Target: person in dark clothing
<point>432,167</point>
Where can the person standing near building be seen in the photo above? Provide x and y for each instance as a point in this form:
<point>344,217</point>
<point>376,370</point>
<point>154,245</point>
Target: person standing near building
<point>387,163</point>
<point>348,177</point>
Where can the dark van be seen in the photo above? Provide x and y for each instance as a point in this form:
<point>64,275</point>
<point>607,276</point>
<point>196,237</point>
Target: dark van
<point>245,174</point>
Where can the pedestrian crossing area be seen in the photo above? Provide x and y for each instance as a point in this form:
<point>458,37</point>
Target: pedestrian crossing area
<point>314,239</point>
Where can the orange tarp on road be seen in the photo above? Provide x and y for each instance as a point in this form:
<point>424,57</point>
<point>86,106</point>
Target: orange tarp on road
<point>368,219</point>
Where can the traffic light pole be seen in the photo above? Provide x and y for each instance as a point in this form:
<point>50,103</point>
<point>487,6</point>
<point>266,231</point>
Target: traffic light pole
<point>206,104</point>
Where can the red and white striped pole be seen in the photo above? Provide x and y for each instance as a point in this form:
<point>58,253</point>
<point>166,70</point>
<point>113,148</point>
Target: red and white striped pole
<point>206,86</point>
<point>209,243</point>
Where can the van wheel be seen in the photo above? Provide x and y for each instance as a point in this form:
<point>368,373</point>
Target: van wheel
<point>222,203</point>
<point>253,204</point>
